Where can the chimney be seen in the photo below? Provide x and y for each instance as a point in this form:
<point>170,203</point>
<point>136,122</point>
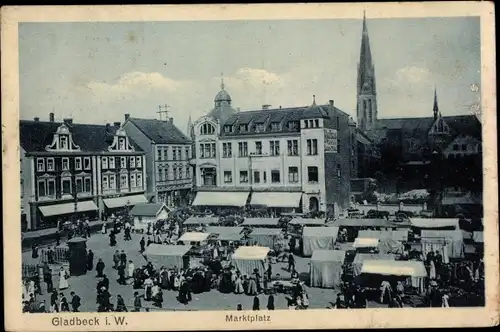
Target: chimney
<point>280,106</point>
<point>51,117</point>
<point>171,120</point>
<point>127,116</point>
<point>37,119</point>
<point>266,106</point>
<point>68,121</point>
<point>117,124</point>
<point>331,102</point>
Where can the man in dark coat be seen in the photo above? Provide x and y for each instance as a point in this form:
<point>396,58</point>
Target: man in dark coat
<point>90,260</point>
<point>116,259</point>
<point>121,275</point>
<point>75,301</point>
<point>50,255</point>
<point>54,300</point>
<point>105,282</point>
<point>58,238</point>
<point>142,243</point>
<point>291,262</point>
<point>123,258</point>
<point>137,302</point>
<point>47,277</point>
<point>99,268</point>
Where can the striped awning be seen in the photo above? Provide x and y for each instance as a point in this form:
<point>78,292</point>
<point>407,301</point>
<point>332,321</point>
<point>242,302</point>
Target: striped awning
<point>117,202</point>
<point>67,208</point>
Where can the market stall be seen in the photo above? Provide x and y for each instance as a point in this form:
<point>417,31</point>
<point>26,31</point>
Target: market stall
<point>326,268</point>
<point>246,259</point>
<point>435,223</point>
<point>390,241</point>
<point>357,264</point>
<point>307,222</point>
<point>265,237</point>
<point>168,255</point>
<point>318,238</point>
<point>365,243</point>
<point>450,243</point>
<point>413,271</point>
<point>193,222</point>
<point>193,238</point>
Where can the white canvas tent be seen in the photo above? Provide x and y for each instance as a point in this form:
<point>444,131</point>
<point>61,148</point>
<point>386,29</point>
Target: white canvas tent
<point>167,255</point>
<point>415,270</point>
<point>478,237</point>
<point>265,237</point>
<point>189,237</point>
<point>390,241</point>
<point>318,238</point>
<point>357,264</point>
<point>451,240</point>
<point>434,223</point>
<point>365,242</point>
<point>326,268</point>
<point>248,258</point>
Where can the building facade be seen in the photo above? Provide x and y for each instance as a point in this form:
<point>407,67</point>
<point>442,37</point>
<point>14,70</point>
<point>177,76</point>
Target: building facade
<point>72,170</point>
<point>168,152</point>
<point>288,159</point>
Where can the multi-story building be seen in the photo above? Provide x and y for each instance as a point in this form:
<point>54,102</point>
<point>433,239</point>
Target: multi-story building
<point>288,159</point>
<point>72,170</point>
<point>168,152</point>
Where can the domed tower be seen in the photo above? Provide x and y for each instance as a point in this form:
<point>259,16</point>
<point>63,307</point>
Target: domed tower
<point>222,109</point>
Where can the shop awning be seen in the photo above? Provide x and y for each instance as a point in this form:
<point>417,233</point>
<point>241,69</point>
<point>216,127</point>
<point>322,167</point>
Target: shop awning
<point>276,199</point>
<point>395,268</point>
<point>206,198</point>
<point>67,208</point>
<point>117,202</point>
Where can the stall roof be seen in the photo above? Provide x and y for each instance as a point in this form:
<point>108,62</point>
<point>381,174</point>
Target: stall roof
<point>307,221</point>
<point>260,222</point>
<point>396,268</point>
<point>398,235</point>
<point>167,250</point>
<point>266,231</point>
<point>251,252</point>
<point>454,234</point>
<point>224,229</point>
<point>202,221</point>
<point>434,222</point>
<point>194,237</point>
<point>365,242</point>
<point>361,222</point>
<point>478,237</point>
<point>328,255</point>
<point>321,231</point>
<point>361,257</point>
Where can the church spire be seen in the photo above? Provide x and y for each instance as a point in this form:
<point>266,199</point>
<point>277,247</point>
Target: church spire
<point>435,108</point>
<point>366,87</point>
<point>189,126</point>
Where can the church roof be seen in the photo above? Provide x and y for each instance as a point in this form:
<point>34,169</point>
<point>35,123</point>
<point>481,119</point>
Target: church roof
<point>34,136</point>
<point>160,132</point>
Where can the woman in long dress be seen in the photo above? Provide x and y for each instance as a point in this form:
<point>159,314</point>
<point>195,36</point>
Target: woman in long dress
<point>238,285</point>
<point>31,288</point>
<point>131,269</point>
<point>63,279</point>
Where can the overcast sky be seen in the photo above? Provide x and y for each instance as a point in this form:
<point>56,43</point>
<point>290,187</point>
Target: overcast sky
<point>96,72</point>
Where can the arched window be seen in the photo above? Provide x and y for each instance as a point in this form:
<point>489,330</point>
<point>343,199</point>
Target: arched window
<point>207,129</point>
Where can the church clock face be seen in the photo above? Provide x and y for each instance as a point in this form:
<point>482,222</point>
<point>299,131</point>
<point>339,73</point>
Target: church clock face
<point>366,87</point>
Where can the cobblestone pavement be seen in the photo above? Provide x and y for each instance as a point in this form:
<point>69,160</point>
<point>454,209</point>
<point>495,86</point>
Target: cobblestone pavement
<point>85,285</point>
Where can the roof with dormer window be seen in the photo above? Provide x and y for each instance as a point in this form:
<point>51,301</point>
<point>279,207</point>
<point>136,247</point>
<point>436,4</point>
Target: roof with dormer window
<point>34,136</point>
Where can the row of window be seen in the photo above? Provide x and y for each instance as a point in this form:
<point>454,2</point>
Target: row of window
<point>176,153</point>
<point>178,173</point>
<point>47,187</point>
<point>293,175</point>
<point>207,150</point>
<point>274,126</point>
<point>274,148</point>
<point>134,181</point>
<point>109,162</point>
<point>48,164</point>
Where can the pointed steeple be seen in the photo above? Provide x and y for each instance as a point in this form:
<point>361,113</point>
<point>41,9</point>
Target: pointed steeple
<point>367,110</point>
<point>435,108</point>
<point>189,126</point>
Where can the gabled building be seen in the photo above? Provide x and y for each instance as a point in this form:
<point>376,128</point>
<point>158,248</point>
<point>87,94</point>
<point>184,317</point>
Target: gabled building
<point>72,170</point>
<point>286,159</point>
<point>168,152</point>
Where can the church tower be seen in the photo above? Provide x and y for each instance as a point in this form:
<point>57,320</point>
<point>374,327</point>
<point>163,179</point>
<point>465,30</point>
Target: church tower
<point>366,109</point>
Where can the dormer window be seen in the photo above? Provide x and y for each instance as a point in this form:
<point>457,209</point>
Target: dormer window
<point>316,123</point>
<point>275,126</point>
<point>228,129</point>
<point>306,124</point>
<point>243,127</point>
<point>121,144</point>
<point>207,129</point>
<point>63,142</point>
<point>259,127</point>
<point>292,125</point>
